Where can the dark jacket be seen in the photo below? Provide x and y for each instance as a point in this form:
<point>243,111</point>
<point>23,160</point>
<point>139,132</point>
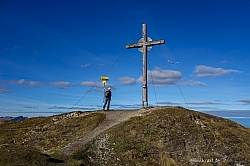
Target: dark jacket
<point>108,94</point>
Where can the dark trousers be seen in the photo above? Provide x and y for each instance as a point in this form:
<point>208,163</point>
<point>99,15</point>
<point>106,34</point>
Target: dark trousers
<point>107,101</point>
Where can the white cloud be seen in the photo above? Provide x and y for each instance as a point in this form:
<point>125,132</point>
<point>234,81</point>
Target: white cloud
<point>26,83</point>
<point>89,83</point>
<point>74,108</point>
<point>13,48</point>
<point>34,83</point>
<point>126,80</point>
<point>59,83</point>
<point>203,103</point>
<point>96,84</point>
<point>63,88</point>
<point>166,102</point>
<point>2,90</point>
<point>19,82</point>
<point>224,61</point>
<point>190,83</point>
<point>162,77</point>
<point>30,107</point>
<point>245,101</point>
<point>37,83</point>
<point>207,71</point>
<point>85,65</point>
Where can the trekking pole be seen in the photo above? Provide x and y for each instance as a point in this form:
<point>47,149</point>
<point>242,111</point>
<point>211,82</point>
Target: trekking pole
<point>103,94</point>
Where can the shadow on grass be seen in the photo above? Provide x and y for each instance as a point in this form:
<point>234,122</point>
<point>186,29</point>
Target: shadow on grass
<point>53,160</point>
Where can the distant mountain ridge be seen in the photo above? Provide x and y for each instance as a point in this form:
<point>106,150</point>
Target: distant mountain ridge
<point>7,118</point>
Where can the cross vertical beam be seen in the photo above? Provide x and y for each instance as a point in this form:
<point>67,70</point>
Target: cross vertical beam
<point>144,68</point>
<point>144,45</point>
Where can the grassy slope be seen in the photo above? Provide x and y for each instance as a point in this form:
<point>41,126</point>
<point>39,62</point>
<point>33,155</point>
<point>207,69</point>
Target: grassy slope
<point>170,136</point>
<point>26,142</point>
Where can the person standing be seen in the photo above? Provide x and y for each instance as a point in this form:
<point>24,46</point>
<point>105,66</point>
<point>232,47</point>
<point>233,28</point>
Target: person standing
<point>108,98</point>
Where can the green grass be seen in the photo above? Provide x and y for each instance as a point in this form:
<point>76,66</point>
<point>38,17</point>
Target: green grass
<point>31,141</point>
<point>170,137</point>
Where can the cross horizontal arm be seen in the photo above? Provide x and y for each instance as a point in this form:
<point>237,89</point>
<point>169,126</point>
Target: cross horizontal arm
<point>149,43</point>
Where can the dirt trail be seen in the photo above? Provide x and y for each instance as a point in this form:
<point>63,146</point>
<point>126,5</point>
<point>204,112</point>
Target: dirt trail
<point>112,118</point>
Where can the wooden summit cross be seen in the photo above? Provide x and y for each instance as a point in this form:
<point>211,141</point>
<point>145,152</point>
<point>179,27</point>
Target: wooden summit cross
<point>144,45</point>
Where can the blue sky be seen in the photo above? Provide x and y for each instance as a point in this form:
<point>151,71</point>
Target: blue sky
<point>52,54</point>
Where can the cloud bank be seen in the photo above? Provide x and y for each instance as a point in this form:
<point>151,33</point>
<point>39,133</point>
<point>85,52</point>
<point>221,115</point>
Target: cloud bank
<point>191,83</point>
<point>245,101</point>
<point>207,71</point>
<point>23,82</point>
<point>26,83</point>
<point>126,81</point>
<point>96,84</point>
<point>3,90</point>
<point>162,77</point>
<point>59,83</point>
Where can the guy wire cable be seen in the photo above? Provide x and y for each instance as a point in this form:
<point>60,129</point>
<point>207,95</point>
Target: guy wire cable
<point>180,88</point>
<point>174,76</point>
<point>96,82</point>
<point>176,80</point>
<point>153,83</point>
